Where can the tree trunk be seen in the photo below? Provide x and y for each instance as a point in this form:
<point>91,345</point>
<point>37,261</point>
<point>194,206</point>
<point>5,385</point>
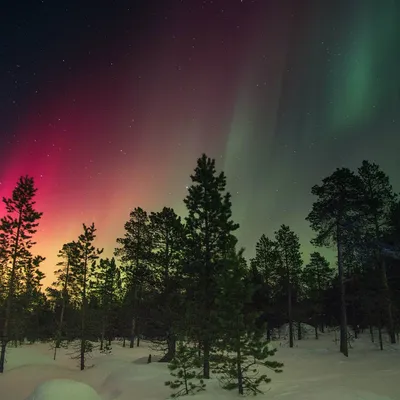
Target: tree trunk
<point>171,343</point>
<point>371,332</point>
<point>268,335</point>
<point>10,295</point>
<point>83,339</point>
<point>134,318</point>
<point>208,295</point>
<point>102,335</point>
<point>83,347</point>
<point>63,306</point>
<point>58,341</point>
<point>137,332</point>
<point>290,317</point>
<point>299,333</point>
<point>206,359</point>
<point>355,327</point>
<point>138,319</point>
<point>133,330</point>
<point>380,335</point>
<point>185,379</point>
<point>3,355</point>
<point>83,319</point>
<point>319,314</point>
<point>388,303</point>
<point>59,333</point>
<point>343,313</point>
<point>386,290</point>
<point>239,371</point>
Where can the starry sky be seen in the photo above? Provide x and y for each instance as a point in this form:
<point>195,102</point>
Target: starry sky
<point>108,104</point>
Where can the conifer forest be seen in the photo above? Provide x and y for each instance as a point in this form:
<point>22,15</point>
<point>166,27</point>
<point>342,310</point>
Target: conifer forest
<point>185,285</point>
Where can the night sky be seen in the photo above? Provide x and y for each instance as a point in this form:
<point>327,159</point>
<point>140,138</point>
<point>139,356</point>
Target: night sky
<point>108,104</point>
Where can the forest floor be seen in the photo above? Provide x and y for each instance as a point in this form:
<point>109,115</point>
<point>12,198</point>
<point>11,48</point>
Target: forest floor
<point>313,370</point>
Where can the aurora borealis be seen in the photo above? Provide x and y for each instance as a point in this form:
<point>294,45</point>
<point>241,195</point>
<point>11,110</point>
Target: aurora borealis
<point>109,104</point>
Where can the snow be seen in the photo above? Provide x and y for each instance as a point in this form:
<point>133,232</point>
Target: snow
<point>64,389</point>
<point>283,331</point>
<point>313,370</point>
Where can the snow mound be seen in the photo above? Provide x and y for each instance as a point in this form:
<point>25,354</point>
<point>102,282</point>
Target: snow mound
<point>64,389</point>
<point>146,381</point>
<point>334,394</point>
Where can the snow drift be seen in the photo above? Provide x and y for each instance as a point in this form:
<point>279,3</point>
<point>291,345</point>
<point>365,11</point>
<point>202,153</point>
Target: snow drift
<point>64,389</point>
<point>313,370</point>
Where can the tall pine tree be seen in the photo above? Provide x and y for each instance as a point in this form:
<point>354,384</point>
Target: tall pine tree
<point>135,256</point>
<point>168,243</point>
<point>65,284</point>
<point>31,298</point>
<point>288,247</point>
<point>209,241</point>
<point>242,347</point>
<point>335,214</point>
<point>266,263</point>
<point>106,285</point>
<point>82,271</point>
<point>317,276</point>
<point>379,200</point>
<point>16,230</point>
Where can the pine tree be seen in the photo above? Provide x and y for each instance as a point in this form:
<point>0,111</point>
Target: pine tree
<point>87,255</point>
<point>31,298</point>
<point>4,270</point>
<point>17,228</point>
<point>393,234</point>
<point>317,276</point>
<point>290,262</point>
<point>266,263</point>
<point>379,200</point>
<point>135,256</point>
<point>106,284</point>
<point>69,257</point>
<point>168,241</point>
<point>334,214</point>
<point>357,257</point>
<point>370,298</point>
<point>242,347</point>
<point>209,240</point>
<point>27,300</point>
<point>185,367</point>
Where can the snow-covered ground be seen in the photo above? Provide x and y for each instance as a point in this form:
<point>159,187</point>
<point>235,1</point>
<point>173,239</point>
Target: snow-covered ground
<point>314,370</point>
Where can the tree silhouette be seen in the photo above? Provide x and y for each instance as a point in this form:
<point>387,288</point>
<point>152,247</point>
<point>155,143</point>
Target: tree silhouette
<point>335,214</point>
<point>288,247</point>
<point>135,255</point>
<point>209,241</point>
<point>17,228</point>
<point>317,276</point>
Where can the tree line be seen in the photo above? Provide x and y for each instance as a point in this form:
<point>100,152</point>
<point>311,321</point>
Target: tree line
<point>186,285</point>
